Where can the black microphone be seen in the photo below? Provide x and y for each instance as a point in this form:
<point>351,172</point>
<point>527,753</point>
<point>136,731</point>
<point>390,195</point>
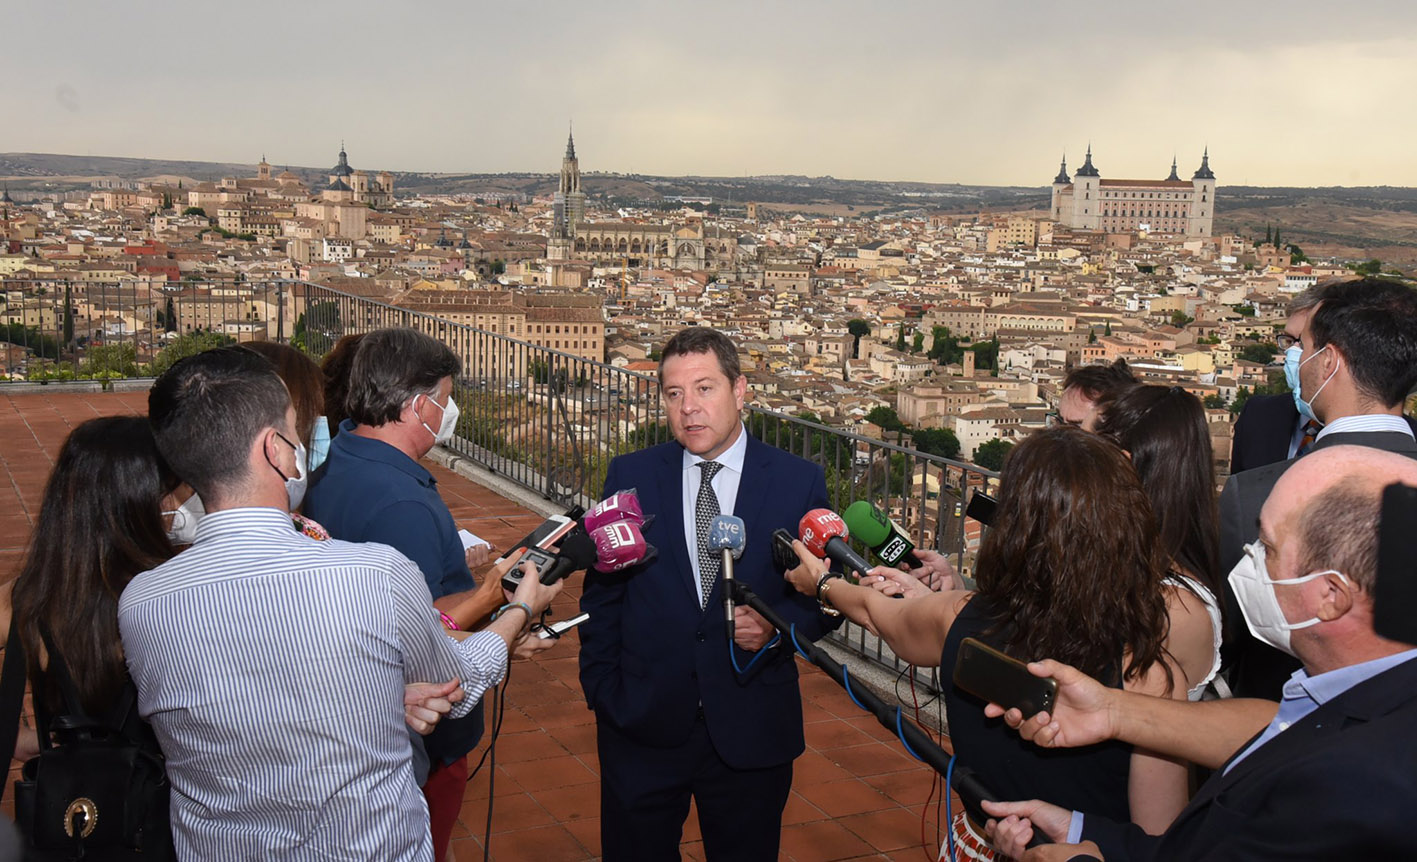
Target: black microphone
<point>884,536</point>
<point>577,551</point>
<point>825,535</point>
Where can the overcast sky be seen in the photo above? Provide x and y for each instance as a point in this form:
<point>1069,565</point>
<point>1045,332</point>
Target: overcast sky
<point>1299,93</point>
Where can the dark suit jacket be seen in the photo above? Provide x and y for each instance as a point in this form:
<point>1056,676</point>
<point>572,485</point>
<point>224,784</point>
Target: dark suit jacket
<point>650,656</point>
<point>1338,784</point>
<point>1259,670</point>
<point>1263,432</point>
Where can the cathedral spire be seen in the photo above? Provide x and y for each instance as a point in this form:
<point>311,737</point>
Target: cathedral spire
<point>1173,176</point>
<point>570,142</point>
<point>1062,176</point>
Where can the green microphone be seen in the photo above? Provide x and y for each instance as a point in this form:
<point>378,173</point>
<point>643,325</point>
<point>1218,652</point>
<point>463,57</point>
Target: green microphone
<point>889,542</point>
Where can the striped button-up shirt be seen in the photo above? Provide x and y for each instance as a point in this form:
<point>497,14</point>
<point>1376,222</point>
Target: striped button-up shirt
<point>272,668</point>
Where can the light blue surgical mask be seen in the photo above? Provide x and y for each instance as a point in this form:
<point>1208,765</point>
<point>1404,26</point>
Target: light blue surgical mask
<point>319,443</point>
<point>1292,364</point>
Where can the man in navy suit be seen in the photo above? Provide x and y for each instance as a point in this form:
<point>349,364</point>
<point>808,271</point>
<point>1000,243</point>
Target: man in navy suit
<point>1327,774</point>
<point>674,719</point>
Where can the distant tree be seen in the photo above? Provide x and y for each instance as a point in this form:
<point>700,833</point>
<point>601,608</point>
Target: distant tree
<point>110,360</point>
<point>936,441</point>
<point>1244,310</point>
<point>499,267</point>
<point>900,338</point>
<point>858,329</point>
<point>1268,235</point>
<point>1372,267</point>
<point>187,345</point>
<point>196,211</point>
<point>1263,352</point>
<point>885,417</point>
<point>1214,402</point>
<point>944,347</point>
<point>986,354</point>
<point>1296,255</point>
<point>991,454</point>
<point>917,341</point>
<point>43,346</point>
<point>1180,319</point>
<point>170,324</point>
<point>1108,329</point>
<point>1278,242</point>
<point>1091,336</point>
<point>1241,396</point>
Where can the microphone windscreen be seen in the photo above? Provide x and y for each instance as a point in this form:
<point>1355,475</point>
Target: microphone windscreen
<point>866,523</point>
<point>579,548</point>
<point>618,546</point>
<point>818,526</point>
<point>728,532</point>
<point>620,506</point>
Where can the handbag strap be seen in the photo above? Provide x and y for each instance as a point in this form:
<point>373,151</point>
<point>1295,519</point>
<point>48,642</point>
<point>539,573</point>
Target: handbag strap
<point>12,693</point>
<point>67,690</point>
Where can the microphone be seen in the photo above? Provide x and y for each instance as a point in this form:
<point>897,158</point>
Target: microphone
<point>619,545</point>
<point>620,506</point>
<point>889,542</point>
<point>728,534</point>
<point>825,534</point>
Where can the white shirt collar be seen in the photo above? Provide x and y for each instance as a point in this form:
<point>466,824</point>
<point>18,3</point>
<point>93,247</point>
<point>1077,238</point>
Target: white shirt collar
<point>1366,423</point>
<point>732,458</point>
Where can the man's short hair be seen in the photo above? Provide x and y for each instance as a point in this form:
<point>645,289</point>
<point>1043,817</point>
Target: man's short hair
<point>1099,383</point>
<point>391,367</point>
<point>207,409</point>
<point>1373,323</point>
<point>703,339</point>
<point>1339,530</point>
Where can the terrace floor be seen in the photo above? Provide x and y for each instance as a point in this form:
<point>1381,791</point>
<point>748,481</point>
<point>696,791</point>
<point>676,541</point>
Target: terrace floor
<point>856,794</point>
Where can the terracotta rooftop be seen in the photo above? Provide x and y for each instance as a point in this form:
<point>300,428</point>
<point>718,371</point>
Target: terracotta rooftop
<point>856,793</point>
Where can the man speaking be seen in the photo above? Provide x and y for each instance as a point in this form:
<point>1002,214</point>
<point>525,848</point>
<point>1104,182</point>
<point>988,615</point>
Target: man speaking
<point>674,718</point>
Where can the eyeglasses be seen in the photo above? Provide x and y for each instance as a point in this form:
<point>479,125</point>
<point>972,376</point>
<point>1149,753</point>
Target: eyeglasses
<point>1054,419</point>
<point>1286,341</point>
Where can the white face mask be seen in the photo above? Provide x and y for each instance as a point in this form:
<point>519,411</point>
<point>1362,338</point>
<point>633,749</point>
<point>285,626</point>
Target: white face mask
<point>295,485</point>
<point>449,423</point>
<point>1254,589</point>
<point>184,521</point>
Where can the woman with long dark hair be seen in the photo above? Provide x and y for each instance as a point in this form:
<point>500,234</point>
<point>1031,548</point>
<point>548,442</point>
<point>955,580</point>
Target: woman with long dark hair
<point>1069,567</point>
<point>1163,429</point>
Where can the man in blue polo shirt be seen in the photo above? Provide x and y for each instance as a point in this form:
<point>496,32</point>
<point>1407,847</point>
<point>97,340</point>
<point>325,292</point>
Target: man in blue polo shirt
<point>372,489</point>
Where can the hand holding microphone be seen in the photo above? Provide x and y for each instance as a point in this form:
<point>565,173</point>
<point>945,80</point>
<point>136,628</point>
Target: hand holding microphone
<point>825,534</point>
<point>886,539</point>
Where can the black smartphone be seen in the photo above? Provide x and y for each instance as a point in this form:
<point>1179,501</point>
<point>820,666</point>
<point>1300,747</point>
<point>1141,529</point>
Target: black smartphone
<point>981,508</point>
<point>1395,589</point>
<point>782,554</point>
<point>538,557</point>
<point>994,677</point>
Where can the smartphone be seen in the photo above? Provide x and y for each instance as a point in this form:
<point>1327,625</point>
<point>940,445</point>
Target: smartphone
<point>549,531</point>
<point>994,677</point>
<point>782,554</point>
<point>555,630</point>
<point>1395,589</point>
<point>981,508</point>
<point>538,557</point>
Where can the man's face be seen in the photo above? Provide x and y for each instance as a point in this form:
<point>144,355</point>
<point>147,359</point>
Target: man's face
<point>426,415</point>
<point>1074,408</point>
<point>704,407</point>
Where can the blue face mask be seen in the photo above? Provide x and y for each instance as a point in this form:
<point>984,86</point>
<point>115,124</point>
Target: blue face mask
<point>1291,376</point>
<point>319,443</point>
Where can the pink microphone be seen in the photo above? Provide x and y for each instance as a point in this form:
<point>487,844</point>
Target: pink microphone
<point>618,545</point>
<point>620,506</point>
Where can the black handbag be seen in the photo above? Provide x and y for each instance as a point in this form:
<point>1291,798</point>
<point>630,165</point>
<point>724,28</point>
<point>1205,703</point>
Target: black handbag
<point>94,791</point>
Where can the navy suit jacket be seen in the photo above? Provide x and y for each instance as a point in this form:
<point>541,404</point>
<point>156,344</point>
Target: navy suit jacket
<point>650,656</point>
<point>1338,784</point>
<point>1263,432</point>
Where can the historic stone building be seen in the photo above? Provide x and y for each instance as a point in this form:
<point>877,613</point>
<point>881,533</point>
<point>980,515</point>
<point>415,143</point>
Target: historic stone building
<point>348,185</point>
<point>1170,206</point>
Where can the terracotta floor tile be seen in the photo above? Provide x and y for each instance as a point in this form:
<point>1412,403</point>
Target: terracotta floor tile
<point>823,841</point>
<point>816,768</point>
<point>587,832</point>
<point>909,787</point>
<point>553,772</point>
<point>889,830</point>
<point>576,738</point>
<point>528,745</point>
<point>874,758</point>
<point>835,733</point>
<point>542,844</point>
<point>840,798</point>
<point>799,810</point>
<point>509,814</point>
<point>567,804</point>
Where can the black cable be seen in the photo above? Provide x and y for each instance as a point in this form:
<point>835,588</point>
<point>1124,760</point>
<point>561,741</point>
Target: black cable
<point>499,712</point>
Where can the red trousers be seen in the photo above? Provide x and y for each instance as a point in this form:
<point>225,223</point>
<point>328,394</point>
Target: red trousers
<point>444,790</point>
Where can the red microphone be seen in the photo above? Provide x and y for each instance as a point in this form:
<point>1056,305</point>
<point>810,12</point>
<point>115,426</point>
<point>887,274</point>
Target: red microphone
<point>825,534</point>
<point>620,506</point>
<point>618,545</point>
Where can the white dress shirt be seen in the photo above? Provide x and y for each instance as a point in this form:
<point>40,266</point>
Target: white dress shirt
<point>725,487</point>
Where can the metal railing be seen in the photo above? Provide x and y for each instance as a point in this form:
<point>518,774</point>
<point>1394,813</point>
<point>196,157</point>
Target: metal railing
<point>546,419</point>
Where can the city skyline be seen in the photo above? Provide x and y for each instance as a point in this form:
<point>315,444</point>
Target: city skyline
<point>913,92</point>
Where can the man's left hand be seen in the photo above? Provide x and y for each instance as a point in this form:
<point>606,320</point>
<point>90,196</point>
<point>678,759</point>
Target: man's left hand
<point>425,703</point>
<point>750,631</point>
<point>478,555</point>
